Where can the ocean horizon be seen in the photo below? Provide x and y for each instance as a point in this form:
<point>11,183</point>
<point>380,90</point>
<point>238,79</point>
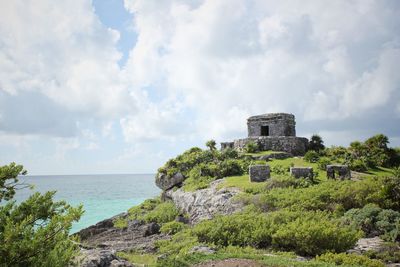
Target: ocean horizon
<point>102,195</point>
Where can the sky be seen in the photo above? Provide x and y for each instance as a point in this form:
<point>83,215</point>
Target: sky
<point>112,86</point>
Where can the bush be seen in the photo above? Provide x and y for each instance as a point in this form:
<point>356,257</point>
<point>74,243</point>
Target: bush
<point>251,147</point>
<point>349,259</point>
<point>373,221</point>
<point>34,232</point>
<point>323,162</point>
<point>315,235</point>
<point>137,212</point>
<point>120,223</point>
<point>358,165</point>
<point>173,227</point>
<point>311,156</point>
<point>388,252</point>
<point>329,195</point>
<point>279,169</point>
<point>307,233</point>
<point>163,213</point>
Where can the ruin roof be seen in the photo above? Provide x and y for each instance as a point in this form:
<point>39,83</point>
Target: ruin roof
<point>271,116</point>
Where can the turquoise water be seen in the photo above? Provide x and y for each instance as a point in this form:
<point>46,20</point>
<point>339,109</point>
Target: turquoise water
<point>102,196</point>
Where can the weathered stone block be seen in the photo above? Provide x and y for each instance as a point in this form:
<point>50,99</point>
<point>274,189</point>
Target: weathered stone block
<point>343,171</point>
<point>301,172</point>
<point>165,182</point>
<point>259,173</point>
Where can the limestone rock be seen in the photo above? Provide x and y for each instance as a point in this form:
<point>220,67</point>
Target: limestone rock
<point>205,203</point>
<point>152,229</point>
<point>102,258</point>
<point>259,173</point>
<point>166,182</point>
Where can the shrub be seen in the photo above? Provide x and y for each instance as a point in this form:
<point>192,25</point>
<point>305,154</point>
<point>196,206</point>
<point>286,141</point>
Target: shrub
<point>180,244</point>
<point>323,162</point>
<point>137,212</point>
<point>242,229</point>
<point>120,223</point>
<point>391,192</point>
<point>315,235</point>
<point>358,165</point>
<point>279,169</point>
<point>162,213</point>
<point>173,227</point>
<point>307,233</point>
<point>373,220</point>
<point>388,252</point>
<point>251,147</point>
<point>311,156</point>
<point>325,196</point>
<point>349,259</point>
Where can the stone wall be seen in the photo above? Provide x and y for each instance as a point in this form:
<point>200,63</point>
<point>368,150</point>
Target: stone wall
<point>279,124</point>
<point>296,146</point>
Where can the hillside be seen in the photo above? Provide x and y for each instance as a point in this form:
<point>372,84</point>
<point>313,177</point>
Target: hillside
<point>211,214</point>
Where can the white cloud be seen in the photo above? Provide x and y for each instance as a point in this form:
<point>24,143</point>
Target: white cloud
<point>318,60</point>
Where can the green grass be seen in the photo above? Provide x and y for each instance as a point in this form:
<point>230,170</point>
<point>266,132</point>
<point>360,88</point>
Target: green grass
<point>243,183</point>
<point>148,260</point>
<point>380,172</point>
<point>261,153</point>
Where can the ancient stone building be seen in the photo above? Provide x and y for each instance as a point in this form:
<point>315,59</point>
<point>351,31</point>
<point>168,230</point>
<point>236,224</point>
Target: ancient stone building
<point>273,131</point>
<point>273,124</point>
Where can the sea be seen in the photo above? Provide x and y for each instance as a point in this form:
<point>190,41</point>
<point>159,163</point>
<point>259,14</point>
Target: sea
<point>102,196</point>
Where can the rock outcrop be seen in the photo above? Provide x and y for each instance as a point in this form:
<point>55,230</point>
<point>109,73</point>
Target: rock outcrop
<point>205,203</point>
<point>166,182</point>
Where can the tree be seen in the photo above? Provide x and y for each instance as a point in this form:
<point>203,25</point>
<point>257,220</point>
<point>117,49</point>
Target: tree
<point>34,232</point>
<point>316,143</point>
<point>211,144</point>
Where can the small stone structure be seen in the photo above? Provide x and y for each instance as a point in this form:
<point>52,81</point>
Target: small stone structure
<point>259,173</point>
<point>273,124</point>
<point>342,170</point>
<point>301,172</point>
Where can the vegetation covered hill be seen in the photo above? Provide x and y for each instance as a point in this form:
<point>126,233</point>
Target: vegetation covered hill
<point>283,217</point>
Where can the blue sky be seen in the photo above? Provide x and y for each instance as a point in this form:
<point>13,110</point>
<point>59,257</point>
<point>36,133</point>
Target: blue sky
<point>109,86</point>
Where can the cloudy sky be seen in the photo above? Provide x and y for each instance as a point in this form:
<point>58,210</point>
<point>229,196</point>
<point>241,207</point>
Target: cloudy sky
<point>112,86</point>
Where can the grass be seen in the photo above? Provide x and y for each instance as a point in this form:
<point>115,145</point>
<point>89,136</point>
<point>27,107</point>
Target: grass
<point>261,153</point>
<point>380,172</point>
<point>148,260</point>
<point>243,183</point>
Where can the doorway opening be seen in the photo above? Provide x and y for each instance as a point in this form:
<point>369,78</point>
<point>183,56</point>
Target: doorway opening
<point>264,130</point>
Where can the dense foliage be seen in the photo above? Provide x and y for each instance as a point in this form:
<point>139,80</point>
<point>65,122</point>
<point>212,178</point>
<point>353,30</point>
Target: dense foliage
<point>306,233</point>
<point>200,167</point>
<point>34,232</point>
<point>375,221</point>
<point>309,216</point>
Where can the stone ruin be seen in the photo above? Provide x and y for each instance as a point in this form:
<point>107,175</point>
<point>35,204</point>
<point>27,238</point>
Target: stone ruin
<point>259,173</point>
<point>301,172</point>
<point>343,171</point>
<point>273,131</point>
